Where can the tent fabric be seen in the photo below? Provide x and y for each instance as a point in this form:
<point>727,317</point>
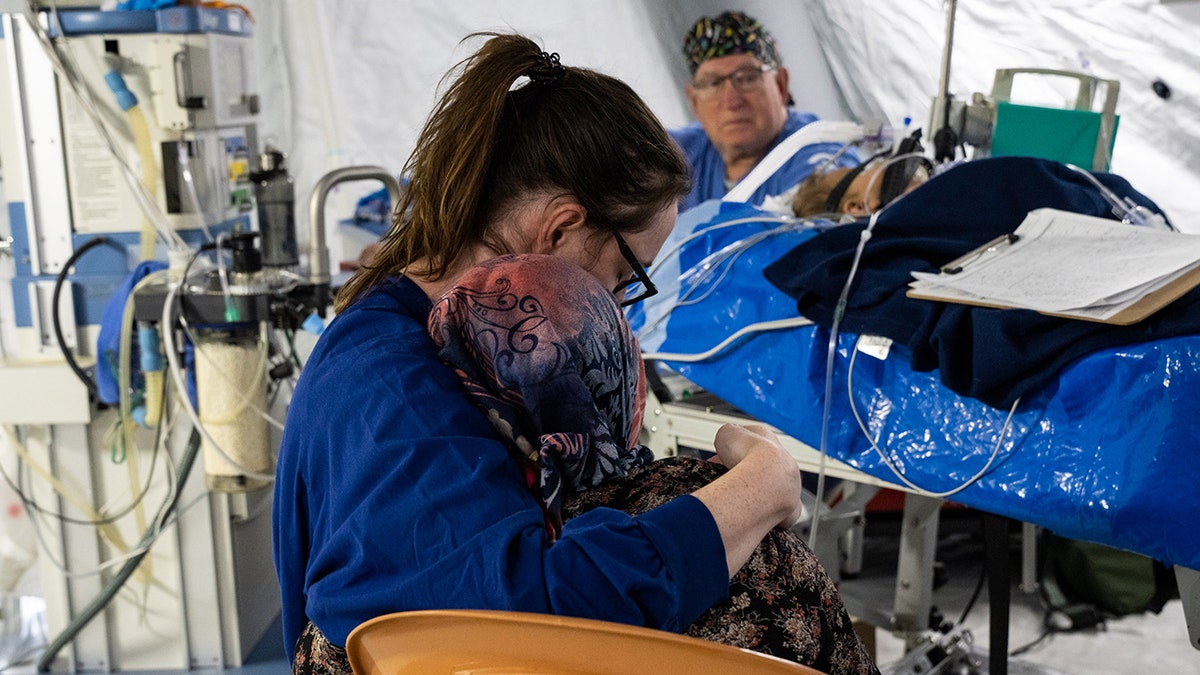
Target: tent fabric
<point>347,82</point>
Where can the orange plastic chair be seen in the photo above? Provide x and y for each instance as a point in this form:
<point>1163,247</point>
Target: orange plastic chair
<point>462,642</point>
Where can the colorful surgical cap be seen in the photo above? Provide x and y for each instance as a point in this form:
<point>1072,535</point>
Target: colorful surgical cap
<point>729,33</point>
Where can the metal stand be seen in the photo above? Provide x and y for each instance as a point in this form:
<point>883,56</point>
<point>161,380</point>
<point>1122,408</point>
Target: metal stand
<point>1189,594</point>
<point>914,571</point>
<point>995,550</point>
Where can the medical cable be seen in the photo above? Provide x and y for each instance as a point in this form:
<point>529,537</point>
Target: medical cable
<point>735,249</point>
<point>106,530</point>
<point>718,262</point>
<point>103,518</point>
<point>143,570</point>
<point>838,313</point>
<point>888,462</point>
<point>760,327</point>
<point>70,496</point>
<point>724,260</point>
<point>831,351</point>
<point>100,568</point>
<point>674,250</point>
<point>87,380</point>
<point>114,584</point>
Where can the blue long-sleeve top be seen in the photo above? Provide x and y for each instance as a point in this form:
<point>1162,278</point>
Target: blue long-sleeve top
<point>394,493</point>
<point>708,169</point>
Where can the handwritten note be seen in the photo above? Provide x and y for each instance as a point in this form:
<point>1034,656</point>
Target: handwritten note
<point>1064,262</point>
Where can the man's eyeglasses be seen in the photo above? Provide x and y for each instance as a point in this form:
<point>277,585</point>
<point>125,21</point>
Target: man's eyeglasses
<point>639,287</point>
<point>744,80</point>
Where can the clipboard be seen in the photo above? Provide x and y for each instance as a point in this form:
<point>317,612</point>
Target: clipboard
<point>1171,285</point>
<point>1143,308</point>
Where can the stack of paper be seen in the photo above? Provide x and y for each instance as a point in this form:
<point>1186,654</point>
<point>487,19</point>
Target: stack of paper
<point>1073,265</point>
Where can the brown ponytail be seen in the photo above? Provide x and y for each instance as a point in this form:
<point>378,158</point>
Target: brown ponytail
<point>488,143</point>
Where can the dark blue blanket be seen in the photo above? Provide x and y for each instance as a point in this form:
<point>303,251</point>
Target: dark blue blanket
<point>992,355</point>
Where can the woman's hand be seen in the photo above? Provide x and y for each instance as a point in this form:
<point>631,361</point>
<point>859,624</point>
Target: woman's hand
<point>734,442</point>
<point>760,491</point>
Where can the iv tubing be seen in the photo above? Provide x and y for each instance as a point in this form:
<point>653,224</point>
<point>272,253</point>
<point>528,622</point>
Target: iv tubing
<point>110,531</point>
<point>831,352</point>
<point>145,148</point>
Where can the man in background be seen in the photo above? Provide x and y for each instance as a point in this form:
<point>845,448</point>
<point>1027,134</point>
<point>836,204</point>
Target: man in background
<point>739,95</point>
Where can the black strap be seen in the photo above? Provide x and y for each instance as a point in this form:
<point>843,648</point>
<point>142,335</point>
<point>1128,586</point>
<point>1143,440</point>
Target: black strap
<point>839,190</point>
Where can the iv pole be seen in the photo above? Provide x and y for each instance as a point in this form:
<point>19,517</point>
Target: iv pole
<point>944,137</point>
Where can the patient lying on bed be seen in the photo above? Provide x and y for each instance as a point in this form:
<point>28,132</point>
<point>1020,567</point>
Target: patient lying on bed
<point>989,354</point>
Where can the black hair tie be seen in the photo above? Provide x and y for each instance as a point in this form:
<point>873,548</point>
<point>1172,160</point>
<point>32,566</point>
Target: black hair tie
<point>547,70</point>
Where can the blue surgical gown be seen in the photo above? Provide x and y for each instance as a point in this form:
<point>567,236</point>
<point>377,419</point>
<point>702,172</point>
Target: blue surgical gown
<point>708,169</point>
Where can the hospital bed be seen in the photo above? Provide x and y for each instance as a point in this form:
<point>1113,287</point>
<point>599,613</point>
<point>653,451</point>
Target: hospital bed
<point>1103,451</point>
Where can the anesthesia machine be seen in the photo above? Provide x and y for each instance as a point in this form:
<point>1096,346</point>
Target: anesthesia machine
<point>151,288</point>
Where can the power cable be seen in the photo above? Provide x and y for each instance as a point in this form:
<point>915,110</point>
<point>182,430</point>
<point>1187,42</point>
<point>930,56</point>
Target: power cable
<point>59,281</point>
<point>114,584</point>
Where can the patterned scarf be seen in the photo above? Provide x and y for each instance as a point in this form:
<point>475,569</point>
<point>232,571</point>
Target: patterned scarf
<point>545,352</point>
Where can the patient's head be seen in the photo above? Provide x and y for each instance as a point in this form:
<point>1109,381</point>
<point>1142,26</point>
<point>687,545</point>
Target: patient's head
<point>861,196</point>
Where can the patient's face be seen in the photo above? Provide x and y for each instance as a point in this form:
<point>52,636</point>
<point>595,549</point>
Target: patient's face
<point>862,197</point>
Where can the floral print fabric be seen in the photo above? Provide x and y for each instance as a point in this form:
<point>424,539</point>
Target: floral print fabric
<point>781,602</point>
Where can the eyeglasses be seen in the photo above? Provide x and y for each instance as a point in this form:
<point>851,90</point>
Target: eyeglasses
<point>633,292</point>
<point>744,80</point>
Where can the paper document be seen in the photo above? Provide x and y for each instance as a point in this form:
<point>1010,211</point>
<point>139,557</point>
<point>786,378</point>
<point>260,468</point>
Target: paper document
<point>1066,263</point>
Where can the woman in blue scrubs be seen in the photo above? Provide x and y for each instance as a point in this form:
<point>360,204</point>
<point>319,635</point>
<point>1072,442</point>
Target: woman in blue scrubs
<point>395,493</point>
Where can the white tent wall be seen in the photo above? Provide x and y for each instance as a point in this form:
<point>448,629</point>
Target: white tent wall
<point>352,81</point>
<point>887,62</point>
